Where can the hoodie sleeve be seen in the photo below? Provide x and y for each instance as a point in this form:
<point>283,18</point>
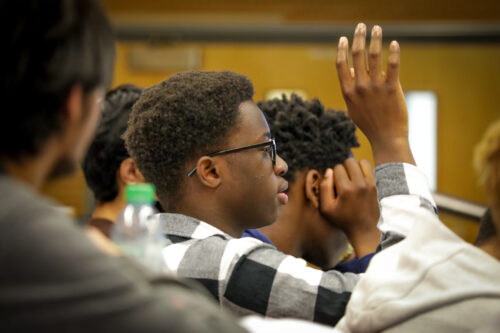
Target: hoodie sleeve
<point>403,190</point>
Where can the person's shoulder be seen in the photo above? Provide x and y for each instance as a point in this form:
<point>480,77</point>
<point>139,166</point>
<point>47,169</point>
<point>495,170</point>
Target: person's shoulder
<point>40,239</point>
<point>22,208</point>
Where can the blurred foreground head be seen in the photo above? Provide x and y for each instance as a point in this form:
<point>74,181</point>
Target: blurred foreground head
<point>60,55</point>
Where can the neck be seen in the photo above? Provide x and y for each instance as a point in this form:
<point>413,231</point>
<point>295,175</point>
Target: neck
<point>287,233</point>
<point>32,170</point>
<point>195,201</point>
<point>109,210</point>
<point>213,218</point>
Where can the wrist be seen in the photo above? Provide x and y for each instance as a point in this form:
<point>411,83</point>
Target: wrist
<point>387,150</point>
<point>364,241</point>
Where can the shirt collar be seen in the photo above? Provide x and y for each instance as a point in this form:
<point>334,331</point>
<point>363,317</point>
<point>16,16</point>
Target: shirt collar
<point>187,226</point>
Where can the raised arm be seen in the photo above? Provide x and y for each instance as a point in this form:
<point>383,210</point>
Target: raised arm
<point>374,98</point>
<point>376,104</point>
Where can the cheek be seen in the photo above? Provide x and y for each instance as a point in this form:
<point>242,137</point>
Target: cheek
<point>266,187</point>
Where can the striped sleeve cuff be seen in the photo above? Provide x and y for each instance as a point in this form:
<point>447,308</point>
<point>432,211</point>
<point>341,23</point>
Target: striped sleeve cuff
<point>402,179</point>
<point>403,190</point>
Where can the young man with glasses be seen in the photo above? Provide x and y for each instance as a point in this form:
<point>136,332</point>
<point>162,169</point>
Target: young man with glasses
<point>205,124</point>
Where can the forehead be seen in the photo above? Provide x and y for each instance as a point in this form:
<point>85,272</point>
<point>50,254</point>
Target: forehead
<point>252,125</point>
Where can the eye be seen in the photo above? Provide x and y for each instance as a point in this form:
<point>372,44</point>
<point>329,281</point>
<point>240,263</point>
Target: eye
<point>268,150</point>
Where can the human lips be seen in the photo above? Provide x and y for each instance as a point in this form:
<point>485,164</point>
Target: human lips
<point>282,196</point>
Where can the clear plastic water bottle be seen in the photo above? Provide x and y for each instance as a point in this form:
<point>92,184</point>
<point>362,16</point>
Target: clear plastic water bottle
<point>136,231</point>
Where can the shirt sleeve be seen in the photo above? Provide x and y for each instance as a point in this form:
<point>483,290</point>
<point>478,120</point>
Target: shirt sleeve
<point>252,277</point>
<point>403,191</point>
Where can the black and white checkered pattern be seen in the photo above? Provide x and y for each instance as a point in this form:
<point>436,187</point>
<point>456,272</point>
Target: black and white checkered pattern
<point>249,276</point>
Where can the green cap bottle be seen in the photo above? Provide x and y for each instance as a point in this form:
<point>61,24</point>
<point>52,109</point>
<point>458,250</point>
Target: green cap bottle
<point>143,193</point>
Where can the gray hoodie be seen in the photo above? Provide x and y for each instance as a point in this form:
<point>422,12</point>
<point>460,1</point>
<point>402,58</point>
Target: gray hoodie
<point>432,281</point>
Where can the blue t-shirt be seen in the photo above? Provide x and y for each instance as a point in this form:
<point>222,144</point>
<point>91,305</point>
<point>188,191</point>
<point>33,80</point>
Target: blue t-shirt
<point>356,265</point>
<point>257,234</point>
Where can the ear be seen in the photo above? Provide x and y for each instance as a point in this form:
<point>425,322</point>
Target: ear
<point>208,172</point>
<point>313,179</point>
<point>128,172</point>
<point>74,104</point>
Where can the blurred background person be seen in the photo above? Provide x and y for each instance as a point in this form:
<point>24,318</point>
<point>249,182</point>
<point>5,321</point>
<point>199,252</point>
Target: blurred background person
<point>107,167</point>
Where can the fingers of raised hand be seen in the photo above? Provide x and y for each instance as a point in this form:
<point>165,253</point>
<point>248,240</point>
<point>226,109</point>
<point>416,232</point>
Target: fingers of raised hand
<point>375,55</point>
<point>370,75</point>
<point>359,55</point>
<point>393,64</point>
<point>342,64</point>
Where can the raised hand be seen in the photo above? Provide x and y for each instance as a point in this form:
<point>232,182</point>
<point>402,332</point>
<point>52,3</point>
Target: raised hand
<point>374,98</point>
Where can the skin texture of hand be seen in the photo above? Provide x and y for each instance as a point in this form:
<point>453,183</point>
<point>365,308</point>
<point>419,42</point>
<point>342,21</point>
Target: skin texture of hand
<point>374,98</point>
<point>354,209</point>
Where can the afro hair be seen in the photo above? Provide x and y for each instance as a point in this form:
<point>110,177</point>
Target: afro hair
<point>307,135</point>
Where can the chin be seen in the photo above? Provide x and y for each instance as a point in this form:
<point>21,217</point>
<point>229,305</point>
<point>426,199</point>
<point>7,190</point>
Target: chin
<point>274,217</point>
<point>265,221</point>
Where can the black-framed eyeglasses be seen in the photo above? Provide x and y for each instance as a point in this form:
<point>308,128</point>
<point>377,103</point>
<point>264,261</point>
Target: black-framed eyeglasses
<point>272,152</point>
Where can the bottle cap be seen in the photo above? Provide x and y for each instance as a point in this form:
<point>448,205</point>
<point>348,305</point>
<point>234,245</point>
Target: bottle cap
<point>143,193</point>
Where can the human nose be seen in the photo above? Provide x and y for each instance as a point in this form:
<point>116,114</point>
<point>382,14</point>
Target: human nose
<point>280,168</point>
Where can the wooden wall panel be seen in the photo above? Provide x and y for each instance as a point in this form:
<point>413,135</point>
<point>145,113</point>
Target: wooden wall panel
<point>325,11</point>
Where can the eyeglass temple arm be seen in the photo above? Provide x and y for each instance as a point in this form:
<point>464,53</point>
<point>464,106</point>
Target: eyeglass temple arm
<point>232,150</point>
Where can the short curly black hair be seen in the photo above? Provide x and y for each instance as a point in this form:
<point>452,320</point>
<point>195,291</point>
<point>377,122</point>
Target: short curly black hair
<point>180,119</point>
<point>307,135</point>
<point>108,151</point>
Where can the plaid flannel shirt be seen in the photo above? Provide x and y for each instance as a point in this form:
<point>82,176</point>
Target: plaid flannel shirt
<point>249,276</point>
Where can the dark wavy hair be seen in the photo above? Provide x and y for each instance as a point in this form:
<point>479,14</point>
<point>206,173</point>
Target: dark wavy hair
<point>49,47</point>
<point>180,119</point>
<point>307,135</point>
<point>108,151</point>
